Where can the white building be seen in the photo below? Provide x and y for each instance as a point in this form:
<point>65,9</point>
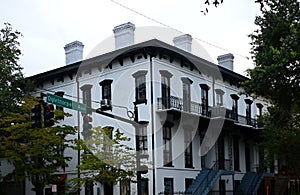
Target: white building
<point>201,134</point>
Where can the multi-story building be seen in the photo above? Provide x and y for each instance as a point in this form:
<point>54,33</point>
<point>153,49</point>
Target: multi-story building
<point>200,134</point>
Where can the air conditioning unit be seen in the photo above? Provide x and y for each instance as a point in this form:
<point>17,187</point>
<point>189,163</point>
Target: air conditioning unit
<point>105,104</point>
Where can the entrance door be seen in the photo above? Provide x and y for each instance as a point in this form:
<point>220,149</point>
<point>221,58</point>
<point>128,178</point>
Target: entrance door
<point>247,157</point>
<point>221,152</point>
<point>222,187</point>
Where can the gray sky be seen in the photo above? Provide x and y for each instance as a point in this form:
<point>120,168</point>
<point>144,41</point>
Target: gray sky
<point>48,25</point>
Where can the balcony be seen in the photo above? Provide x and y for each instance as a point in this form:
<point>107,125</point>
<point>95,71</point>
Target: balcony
<point>176,103</point>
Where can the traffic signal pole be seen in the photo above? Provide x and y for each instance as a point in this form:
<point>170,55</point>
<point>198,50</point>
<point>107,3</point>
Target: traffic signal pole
<point>138,159</point>
<point>136,125</point>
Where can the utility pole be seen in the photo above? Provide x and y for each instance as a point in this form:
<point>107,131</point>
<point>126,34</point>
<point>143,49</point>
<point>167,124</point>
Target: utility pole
<point>138,159</point>
<point>137,125</point>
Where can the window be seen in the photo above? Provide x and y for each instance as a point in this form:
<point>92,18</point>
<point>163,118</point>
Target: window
<point>168,186</point>
<point>140,87</point>
<point>235,99</point>
<point>167,151</point>
<point>259,121</point>
<point>105,103</point>
<point>144,186</point>
<point>60,94</point>
<point>125,187</point>
<point>219,96</point>
<point>236,153</point>
<point>248,111</point>
<point>259,106</point>
<point>188,182</point>
<point>188,152</point>
<point>204,98</point>
<point>86,97</point>
<point>107,138</point>
<point>186,87</point>
<point>165,88</point>
<point>142,138</point>
<point>88,190</point>
<point>106,89</point>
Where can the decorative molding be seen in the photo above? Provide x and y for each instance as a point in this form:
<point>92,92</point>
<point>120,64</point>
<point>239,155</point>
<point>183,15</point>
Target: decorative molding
<point>139,73</point>
<point>106,82</point>
<point>204,86</point>
<point>234,96</point>
<point>186,80</point>
<point>166,73</point>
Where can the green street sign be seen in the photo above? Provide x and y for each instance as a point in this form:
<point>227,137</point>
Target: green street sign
<point>63,102</point>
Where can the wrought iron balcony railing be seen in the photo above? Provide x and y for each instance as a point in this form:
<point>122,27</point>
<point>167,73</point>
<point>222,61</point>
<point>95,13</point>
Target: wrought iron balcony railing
<point>180,104</point>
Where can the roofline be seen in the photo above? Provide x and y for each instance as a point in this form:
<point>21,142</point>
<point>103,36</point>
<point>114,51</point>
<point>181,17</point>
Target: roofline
<point>110,56</point>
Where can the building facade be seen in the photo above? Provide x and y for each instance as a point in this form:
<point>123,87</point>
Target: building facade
<point>200,135</point>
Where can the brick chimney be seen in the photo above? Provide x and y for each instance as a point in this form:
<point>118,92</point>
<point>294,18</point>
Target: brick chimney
<point>226,61</point>
<point>183,42</point>
<point>124,35</point>
<point>73,52</point>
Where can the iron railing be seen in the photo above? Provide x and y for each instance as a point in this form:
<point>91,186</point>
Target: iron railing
<point>225,164</point>
<point>180,104</point>
<point>171,193</point>
<point>204,182</point>
<point>227,192</point>
<point>177,103</point>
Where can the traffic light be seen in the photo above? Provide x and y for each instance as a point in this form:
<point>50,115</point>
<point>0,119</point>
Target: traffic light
<point>87,126</point>
<point>36,116</point>
<point>48,115</point>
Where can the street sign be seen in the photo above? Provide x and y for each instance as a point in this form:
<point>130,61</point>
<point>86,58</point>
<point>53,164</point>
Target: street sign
<point>53,188</point>
<point>63,102</point>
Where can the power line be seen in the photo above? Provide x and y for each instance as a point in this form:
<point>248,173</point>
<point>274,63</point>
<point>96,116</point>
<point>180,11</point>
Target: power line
<point>167,26</point>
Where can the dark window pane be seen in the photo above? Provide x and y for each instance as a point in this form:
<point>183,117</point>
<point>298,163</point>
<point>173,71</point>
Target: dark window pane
<point>167,148</point>
<point>188,153</point>
<point>186,96</point>
<point>106,92</point>
<point>168,186</point>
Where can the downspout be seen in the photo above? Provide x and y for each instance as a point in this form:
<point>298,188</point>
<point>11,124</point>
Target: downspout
<point>213,91</point>
<point>152,123</point>
<point>78,133</point>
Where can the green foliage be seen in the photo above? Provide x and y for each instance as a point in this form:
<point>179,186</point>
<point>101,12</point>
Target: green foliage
<point>276,76</point>
<point>105,157</point>
<point>35,153</point>
<point>13,85</point>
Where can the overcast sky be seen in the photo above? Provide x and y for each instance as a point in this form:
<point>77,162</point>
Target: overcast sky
<point>48,25</point>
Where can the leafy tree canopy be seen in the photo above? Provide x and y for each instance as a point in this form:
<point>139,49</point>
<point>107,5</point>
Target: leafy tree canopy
<point>35,153</point>
<point>106,158</point>
<point>276,76</point>
<point>13,85</point>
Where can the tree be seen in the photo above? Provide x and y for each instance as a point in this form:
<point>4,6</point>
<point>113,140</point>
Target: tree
<point>35,153</point>
<point>106,158</point>
<point>276,76</point>
<point>13,85</point>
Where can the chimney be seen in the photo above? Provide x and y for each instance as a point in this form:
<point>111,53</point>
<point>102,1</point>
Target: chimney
<point>226,61</point>
<point>124,35</point>
<point>74,52</point>
<point>183,42</point>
